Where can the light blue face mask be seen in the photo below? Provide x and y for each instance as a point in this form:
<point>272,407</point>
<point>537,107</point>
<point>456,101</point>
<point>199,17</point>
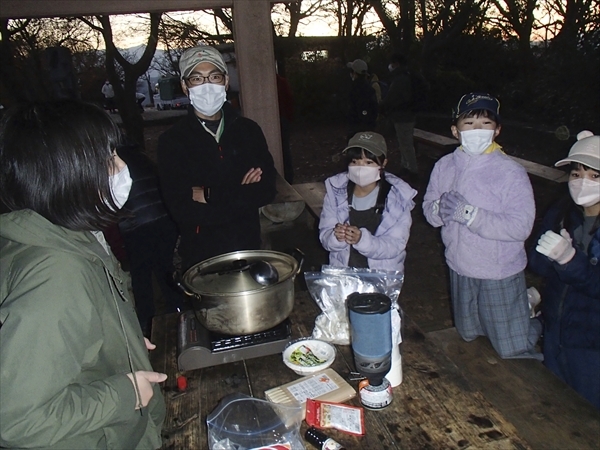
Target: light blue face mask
<point>475,142</point>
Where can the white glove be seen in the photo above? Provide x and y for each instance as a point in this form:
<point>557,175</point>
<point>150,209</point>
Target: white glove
<point>556,247</point>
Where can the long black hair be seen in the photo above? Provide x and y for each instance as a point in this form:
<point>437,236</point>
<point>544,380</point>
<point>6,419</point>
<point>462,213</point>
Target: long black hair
<point>55,159</point>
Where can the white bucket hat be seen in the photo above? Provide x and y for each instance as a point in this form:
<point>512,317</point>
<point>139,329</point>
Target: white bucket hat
<point>585,151</point>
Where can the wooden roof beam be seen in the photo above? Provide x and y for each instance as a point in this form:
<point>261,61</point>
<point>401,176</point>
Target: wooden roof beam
<point>19,9</point>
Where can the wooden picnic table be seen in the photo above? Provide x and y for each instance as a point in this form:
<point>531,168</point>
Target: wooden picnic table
<point>434,407</point>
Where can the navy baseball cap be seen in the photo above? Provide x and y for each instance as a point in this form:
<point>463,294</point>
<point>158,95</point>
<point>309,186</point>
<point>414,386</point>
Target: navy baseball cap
<point>476,100</point>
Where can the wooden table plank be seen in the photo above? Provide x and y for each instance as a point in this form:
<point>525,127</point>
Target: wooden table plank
<point>543,408</point>
<point>434,407</point>
<point>313,195</point>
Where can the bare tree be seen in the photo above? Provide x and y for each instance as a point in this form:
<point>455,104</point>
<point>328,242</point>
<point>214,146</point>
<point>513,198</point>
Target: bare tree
<point>288,17</point>
<point>516,17</point>
<point>125,88</point>
<point>350,16</point>
<point>177,33</point>
<point>578,19</point>
<point>35,56</point>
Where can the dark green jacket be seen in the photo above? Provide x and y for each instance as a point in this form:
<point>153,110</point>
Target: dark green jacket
<point>68,337</point>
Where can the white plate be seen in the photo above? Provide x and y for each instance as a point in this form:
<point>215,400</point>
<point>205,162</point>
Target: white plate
<point>321,349</point>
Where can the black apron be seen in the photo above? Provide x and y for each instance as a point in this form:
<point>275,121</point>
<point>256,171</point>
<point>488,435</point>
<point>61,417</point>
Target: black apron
<point>368,219</point>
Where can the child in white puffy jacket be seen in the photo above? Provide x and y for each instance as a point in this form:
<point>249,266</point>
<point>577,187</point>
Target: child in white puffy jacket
<point>366,216</point>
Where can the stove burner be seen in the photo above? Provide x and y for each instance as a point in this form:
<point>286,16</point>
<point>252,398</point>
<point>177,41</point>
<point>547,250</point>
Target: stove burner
<point>197,347</point>
<point>222,342</point>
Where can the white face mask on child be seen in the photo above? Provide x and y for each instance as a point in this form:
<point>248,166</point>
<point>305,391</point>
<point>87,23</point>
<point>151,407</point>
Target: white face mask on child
<point>120,186</point>
<point>475,142</point>
<point>364,175</point>
<point>585,192</point>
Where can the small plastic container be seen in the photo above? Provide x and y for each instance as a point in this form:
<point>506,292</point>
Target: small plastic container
<point>300,355</point>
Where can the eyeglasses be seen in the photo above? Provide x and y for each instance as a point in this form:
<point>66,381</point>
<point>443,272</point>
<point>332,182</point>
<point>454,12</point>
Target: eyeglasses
<point>213,78</point>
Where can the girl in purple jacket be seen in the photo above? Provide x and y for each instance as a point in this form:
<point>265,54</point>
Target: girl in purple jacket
<point>484,203</point>
<point>366,218</point>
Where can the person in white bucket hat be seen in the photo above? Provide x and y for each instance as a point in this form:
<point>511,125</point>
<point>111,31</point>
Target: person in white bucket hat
<point>566,253</point>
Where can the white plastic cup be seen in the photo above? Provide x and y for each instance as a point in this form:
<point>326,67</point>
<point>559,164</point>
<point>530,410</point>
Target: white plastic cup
<point>394,376</point>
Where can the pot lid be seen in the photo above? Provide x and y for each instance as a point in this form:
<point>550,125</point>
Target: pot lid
<point>231,273</point>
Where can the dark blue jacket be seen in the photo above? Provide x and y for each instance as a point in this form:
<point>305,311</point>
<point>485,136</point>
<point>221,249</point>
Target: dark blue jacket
<point>571,296</point>
<point>144,204</point>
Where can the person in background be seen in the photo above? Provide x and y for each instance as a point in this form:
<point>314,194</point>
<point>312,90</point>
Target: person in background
<point>75,368</point>
<point>109,97</point>
<point>397,106</point>
<point>149,236</point>
<point>215,168</point>
<point>362,100</point>
<point>483,201</point>
<point>286,116</point>
<point>139,98</point>
<point>566,255</point>
<point>365,221</point>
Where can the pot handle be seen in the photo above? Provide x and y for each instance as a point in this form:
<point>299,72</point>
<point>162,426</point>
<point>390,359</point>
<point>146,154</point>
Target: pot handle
<point>298,255</point>
<point>177,279</point>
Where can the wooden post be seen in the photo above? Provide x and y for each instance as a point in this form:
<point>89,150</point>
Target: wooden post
<point>253,33</point>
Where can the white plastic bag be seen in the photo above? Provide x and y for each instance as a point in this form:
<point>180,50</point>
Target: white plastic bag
<point>330,288</point>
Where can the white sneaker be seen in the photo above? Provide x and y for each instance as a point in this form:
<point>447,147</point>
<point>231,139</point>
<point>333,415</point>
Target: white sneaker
<point>534,298</point>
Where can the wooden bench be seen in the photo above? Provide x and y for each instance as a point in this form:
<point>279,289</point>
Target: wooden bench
<point>548,173</point>
<point>447,144</point>
<point>434,140</point>
<point>546,412</point>
<point>313,195</point>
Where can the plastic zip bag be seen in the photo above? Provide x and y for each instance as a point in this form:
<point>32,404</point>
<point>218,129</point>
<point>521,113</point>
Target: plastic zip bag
<point>330,287</point>
<point>241,422</point>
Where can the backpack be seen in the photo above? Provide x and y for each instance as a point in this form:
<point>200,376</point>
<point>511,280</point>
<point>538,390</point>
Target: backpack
<point>419,91</point>
<point>383,86</point>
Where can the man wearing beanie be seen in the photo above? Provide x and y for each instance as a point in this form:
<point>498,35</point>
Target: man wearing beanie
<point>215,167</point>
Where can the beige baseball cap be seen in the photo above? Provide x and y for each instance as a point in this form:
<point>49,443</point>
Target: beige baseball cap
<point>585,151</point>
<point>191,57</point>
<point>358,66</point>
<point>373,142</point>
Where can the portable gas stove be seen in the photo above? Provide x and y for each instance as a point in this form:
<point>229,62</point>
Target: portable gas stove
<point>197,347</point>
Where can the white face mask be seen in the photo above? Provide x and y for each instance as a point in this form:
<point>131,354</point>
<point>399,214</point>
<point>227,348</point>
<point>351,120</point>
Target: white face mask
<point>391,67</point>
<point>120,186</point>
<point>364,175</point>
<point>585,192</point>
<point>207,98</point>
<point>475,142</point>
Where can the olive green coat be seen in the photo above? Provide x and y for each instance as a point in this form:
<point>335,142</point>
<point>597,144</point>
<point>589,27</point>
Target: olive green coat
<point>68,337</point>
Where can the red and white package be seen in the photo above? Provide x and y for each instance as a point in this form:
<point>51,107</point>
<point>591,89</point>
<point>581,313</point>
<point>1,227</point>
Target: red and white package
<point>346,418</point>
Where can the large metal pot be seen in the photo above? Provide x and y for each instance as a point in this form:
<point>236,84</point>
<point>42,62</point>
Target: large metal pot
<point>227,299</point>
